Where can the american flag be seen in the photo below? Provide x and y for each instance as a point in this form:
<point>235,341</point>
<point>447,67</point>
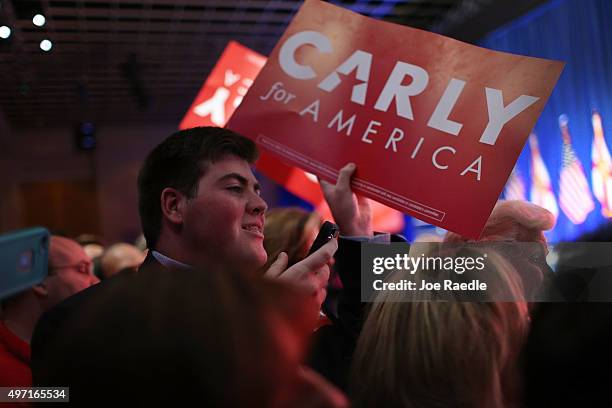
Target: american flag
<point>541,190</point>
<point>515,187</point>
<point>601,176</point>
<point>574,193</point>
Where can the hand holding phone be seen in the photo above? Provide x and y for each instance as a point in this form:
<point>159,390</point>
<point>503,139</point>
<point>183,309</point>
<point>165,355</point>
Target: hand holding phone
<point>328,231</point>
<point>311,273</point>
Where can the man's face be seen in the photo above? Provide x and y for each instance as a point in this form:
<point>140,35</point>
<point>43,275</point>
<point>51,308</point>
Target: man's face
<point>224,222</point>
<point>69,272</point>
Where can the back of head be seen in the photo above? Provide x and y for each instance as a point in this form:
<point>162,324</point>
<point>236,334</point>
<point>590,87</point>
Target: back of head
<point>119,257</point>
<point>213,338</point>
<point>416,351</point>
<point>179,162</point>
<point>91,244</point>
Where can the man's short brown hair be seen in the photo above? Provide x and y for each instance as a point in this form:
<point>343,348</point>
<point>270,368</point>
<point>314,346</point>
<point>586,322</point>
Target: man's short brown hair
<point>179,162</point>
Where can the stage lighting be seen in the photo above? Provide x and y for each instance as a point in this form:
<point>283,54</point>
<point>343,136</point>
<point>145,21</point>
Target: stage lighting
<point>5,32</point>
<point>46,45</point>
<point>39,20</point>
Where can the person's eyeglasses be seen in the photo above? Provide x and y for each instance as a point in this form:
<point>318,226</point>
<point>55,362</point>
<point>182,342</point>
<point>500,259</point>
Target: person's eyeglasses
<point>83,266</point>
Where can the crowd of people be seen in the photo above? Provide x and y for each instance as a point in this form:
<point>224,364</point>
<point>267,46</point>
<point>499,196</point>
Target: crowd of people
<point>225,307</point>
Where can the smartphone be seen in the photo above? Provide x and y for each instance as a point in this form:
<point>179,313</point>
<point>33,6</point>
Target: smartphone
<point>24,256</point>
<point>328,231</point>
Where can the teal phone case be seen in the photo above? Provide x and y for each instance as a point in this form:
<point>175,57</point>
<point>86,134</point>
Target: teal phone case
<point>23,259</point>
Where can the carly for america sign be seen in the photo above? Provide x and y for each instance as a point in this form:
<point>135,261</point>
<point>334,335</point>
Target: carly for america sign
<point>434,125</point>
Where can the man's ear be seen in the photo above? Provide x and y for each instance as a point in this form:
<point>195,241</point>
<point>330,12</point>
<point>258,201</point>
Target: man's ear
<point>40,290</point>
<point>172,205</point>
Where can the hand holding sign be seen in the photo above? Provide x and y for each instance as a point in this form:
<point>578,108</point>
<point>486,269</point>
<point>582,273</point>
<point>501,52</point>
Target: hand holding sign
<point>352,212</point>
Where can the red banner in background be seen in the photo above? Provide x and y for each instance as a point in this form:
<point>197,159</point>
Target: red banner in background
<point>225,87</point>
<point>222,93</point>
<point>434,125</point>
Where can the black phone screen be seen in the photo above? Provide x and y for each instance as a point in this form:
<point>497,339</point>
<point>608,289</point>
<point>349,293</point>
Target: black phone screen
<point>328,231</point>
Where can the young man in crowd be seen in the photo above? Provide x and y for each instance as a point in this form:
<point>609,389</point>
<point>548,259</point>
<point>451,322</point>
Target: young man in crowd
<point>200,208</point>
<point>200,205</point>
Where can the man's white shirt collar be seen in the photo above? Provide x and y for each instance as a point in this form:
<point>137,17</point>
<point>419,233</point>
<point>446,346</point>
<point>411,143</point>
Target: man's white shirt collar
<point>169,262</point>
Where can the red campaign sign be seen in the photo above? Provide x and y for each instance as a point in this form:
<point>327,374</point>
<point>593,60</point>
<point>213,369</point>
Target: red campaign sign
<point>224,89</point>
<point>305,186</point>
<point>434,125</point>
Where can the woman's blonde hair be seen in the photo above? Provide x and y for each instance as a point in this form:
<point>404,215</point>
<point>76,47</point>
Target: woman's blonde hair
<point>416,351</point>
<point>287,230</point>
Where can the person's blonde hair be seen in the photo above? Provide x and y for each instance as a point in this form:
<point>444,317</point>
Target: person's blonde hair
<point>423,352</point>
<point>287,230</point>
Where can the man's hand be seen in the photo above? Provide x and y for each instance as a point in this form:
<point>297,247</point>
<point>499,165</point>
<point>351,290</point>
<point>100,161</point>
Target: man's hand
<point>351,212</point>
<point>311,273</point>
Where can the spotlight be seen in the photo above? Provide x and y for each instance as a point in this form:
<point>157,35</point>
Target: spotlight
<point>46,45</point>
<point>5,32</point>
<point>39,20</point>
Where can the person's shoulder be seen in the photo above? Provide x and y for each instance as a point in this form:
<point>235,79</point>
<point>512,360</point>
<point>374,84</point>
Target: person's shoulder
<point>100,294</point>
<point>77,304</point>
<point>78,300</point>
<point>65,307</point>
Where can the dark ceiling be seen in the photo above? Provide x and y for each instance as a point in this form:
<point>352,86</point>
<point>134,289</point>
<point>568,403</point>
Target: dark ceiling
<point>125,61</point>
